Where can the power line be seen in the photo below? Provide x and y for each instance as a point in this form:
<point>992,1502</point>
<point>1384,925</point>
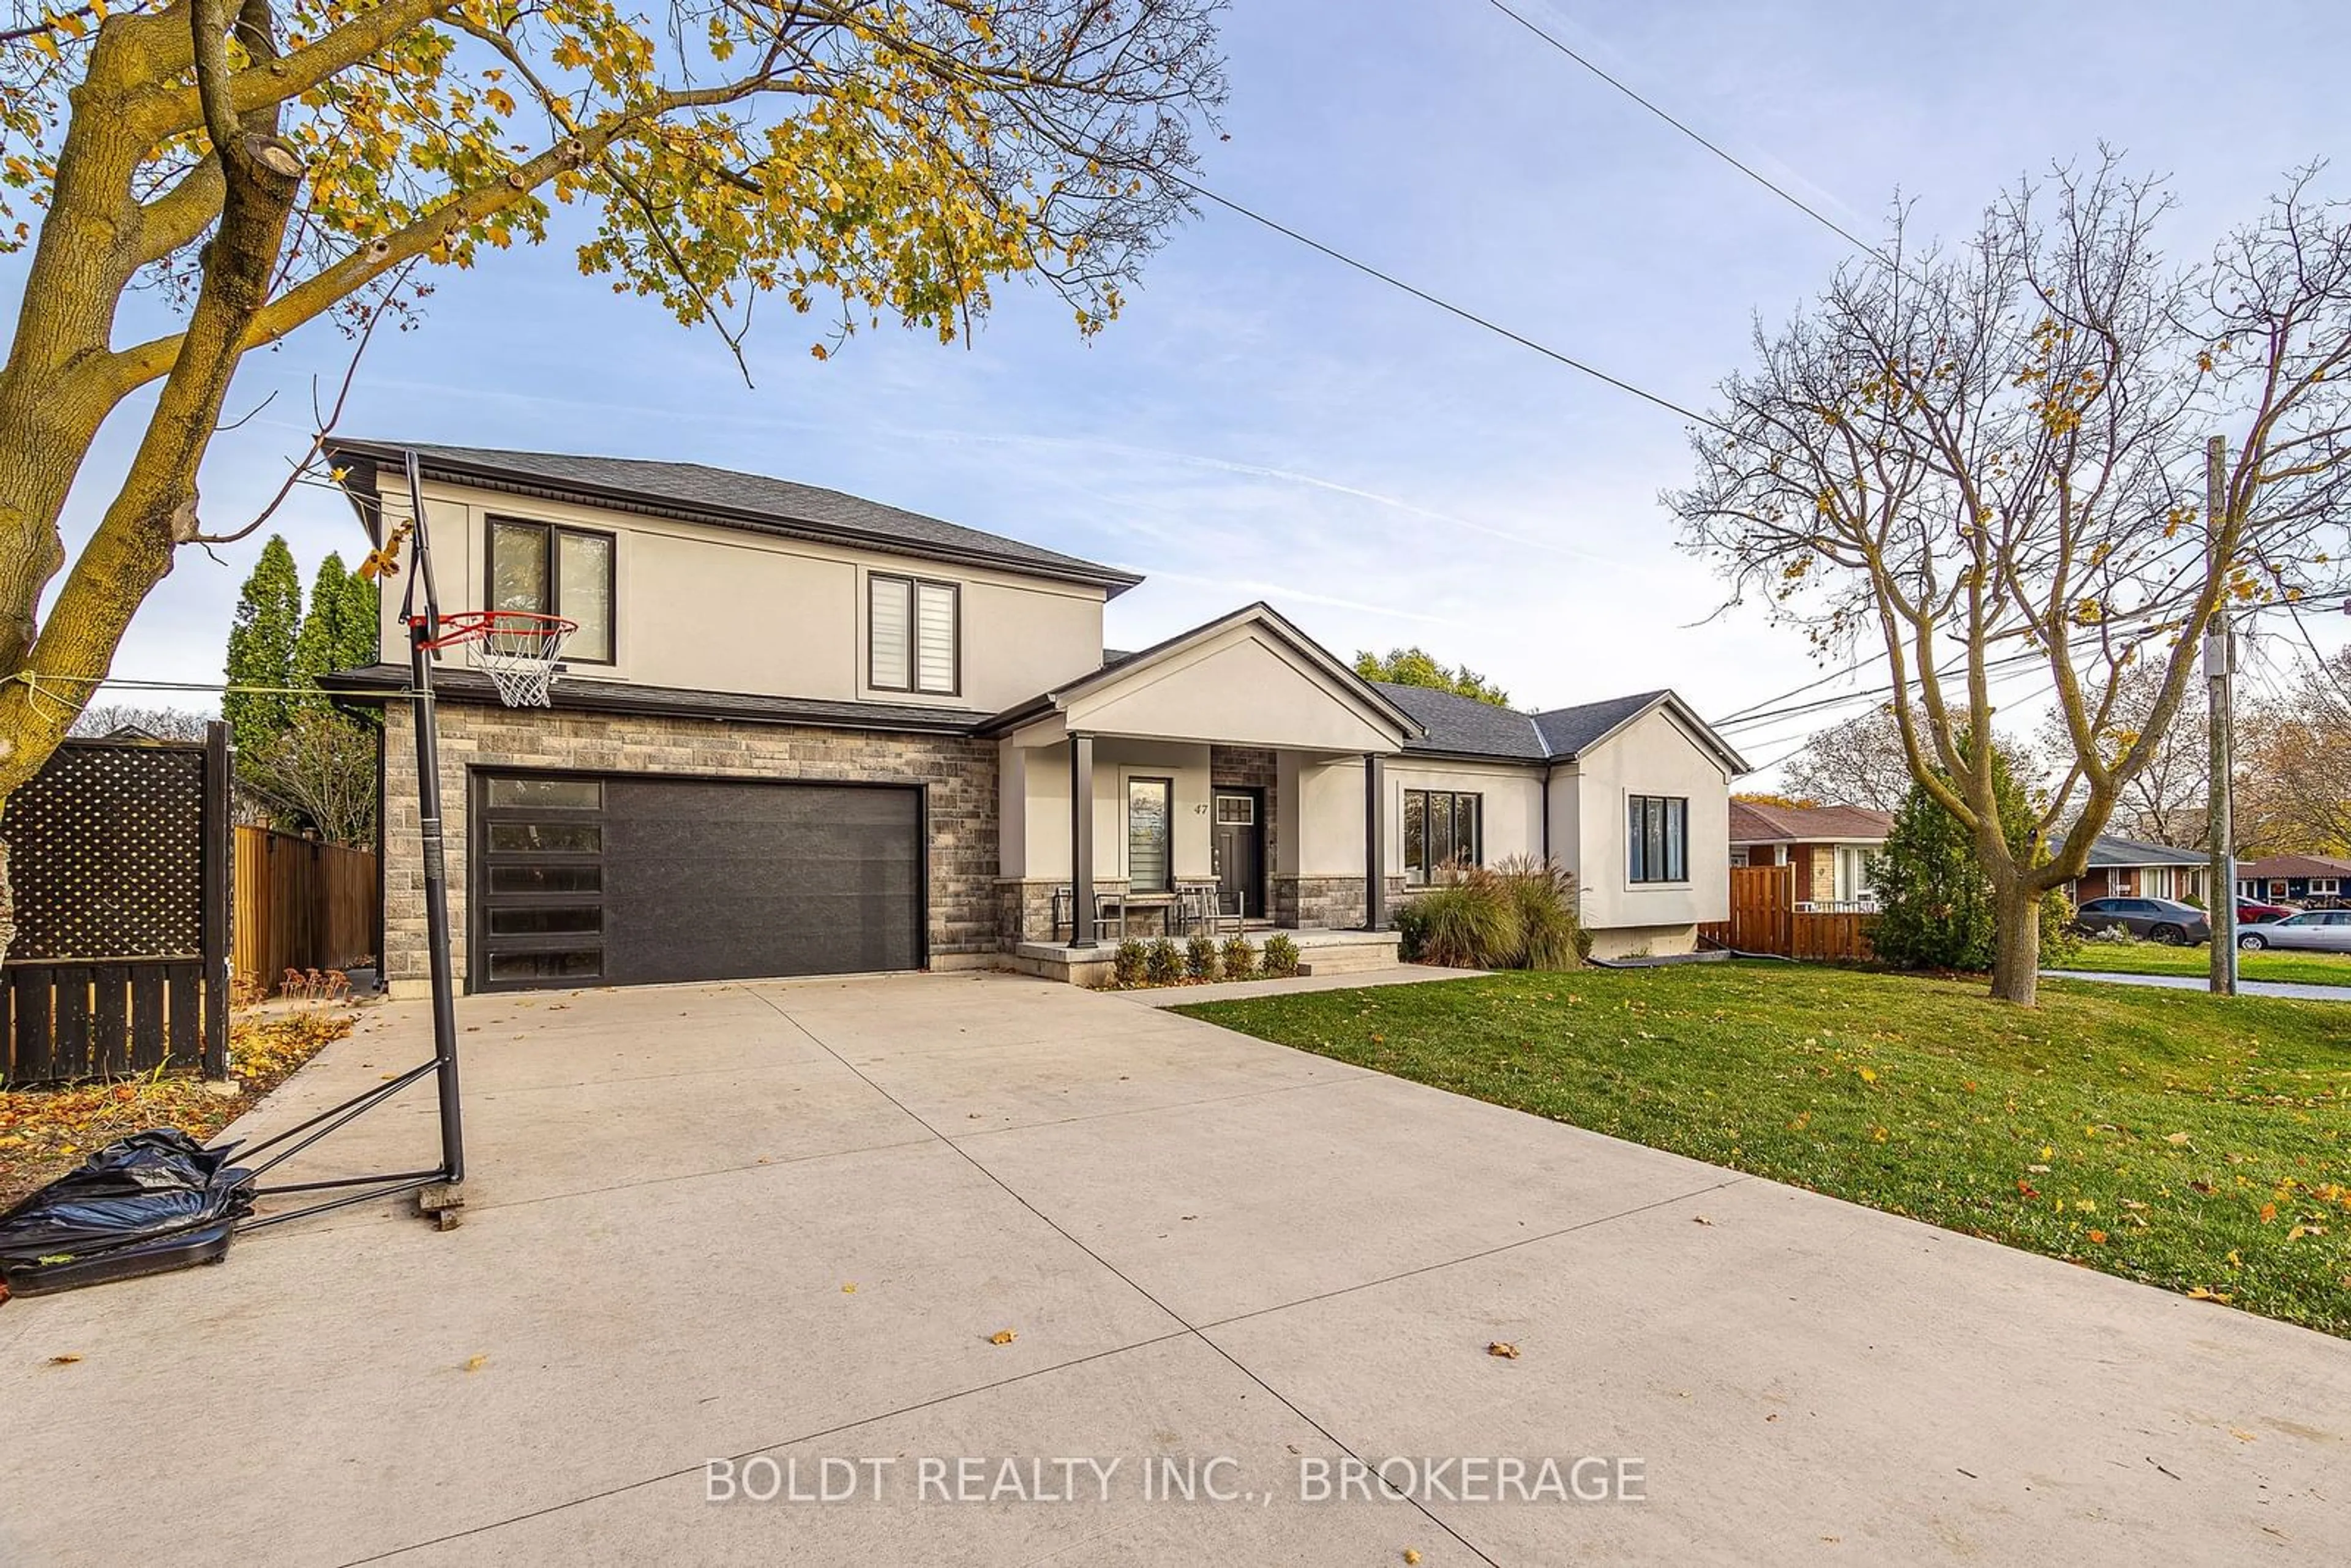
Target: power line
<point>1782,191</point>
<point>1619,382</point>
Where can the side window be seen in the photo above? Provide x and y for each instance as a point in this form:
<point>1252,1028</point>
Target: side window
<point>913,634</point>
<point>1657,832</point>
<point>553,570</point>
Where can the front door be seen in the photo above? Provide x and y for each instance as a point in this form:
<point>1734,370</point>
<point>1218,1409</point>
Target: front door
<point>1241,851</point>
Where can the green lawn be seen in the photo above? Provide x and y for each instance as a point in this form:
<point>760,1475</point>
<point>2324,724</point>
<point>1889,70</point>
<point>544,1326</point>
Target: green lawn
<point>2162,1135</point>
<point>2154,959</point>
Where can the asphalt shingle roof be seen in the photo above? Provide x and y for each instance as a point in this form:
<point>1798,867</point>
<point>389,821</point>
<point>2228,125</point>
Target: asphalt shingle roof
<point>1464,725</point>
<point>2111,849</point>
<point>726,496</point>
<point>1568,730</point>
<point>1755,822</point>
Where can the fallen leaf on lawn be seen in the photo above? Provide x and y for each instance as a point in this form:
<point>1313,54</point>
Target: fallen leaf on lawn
<point>2130,1203</point>
<point>65,1360</point>
<point>476,1363</point>
<point>2038,1170</point>
<point>2201,1294</point>
<point>1877,1136</point>
<point>2098,1238</point>
<point>2027,1189</point>
<point>1504,1349</point>
<point>2296,1233</point>
<point>2085,1205</point>
<point>2235,1262</point>
<point>2175,1137</point>
<point>2203,1188</point>
<point>2269,1212</point>
<point>2047,1152</point>
<point>1410,1555</point>
<point>1002,1336</point>
<point>1868,1075</point>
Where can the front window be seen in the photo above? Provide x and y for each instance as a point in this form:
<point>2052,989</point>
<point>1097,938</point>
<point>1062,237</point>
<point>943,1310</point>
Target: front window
<point>2327,886</point>
<point>1656,828</point>
<point>911,635</point>
<point>552,570</point>
<point>1150,858</point>
<point>1441,826</point>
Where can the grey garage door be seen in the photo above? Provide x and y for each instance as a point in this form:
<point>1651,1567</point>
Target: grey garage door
<point>631,881</point>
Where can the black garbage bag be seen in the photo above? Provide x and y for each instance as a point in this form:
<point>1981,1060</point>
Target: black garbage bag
<point>144,1204</point>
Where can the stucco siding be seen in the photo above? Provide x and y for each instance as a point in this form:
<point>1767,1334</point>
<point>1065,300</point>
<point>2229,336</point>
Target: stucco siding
<point>703,608</point>
<point>1653,755</point>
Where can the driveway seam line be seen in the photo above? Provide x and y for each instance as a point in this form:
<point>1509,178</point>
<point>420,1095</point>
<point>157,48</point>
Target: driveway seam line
<point>1189,1328</point>
<point>832,1431</point>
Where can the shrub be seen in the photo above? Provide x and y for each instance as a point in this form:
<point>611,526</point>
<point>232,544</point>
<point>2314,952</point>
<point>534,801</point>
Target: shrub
<point>1471,922</point>
<point>1128,966</point>
<point>1280,955</point>
<point>1412,931</point>
<point>1936,897</point>
<point>1200,957</point>
<point>1240,959</point>
<point>1550,933</point>
<point>1163,963</point>
<point>1518,914</point>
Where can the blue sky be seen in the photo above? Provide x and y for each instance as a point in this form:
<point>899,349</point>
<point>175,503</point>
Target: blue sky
<point>1264,423</point>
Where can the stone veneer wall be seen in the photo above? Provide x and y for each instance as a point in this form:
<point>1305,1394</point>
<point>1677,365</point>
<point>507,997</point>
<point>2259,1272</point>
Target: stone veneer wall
<point>958,776</point>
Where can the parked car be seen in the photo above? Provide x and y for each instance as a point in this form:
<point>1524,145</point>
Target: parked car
<point>2156,919</point>
<point>2317,931</point>
<point>2253,911</point>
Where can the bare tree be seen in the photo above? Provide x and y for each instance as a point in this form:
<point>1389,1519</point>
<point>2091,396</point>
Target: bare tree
<point>1858,763</point>
<point>2168,801</point>
<point>162,723</point>
<point>2295,755</point>
<point>325,765</point>
<point>1991,458</point>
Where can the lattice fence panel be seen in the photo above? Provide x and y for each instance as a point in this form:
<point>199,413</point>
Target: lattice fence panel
<point>107,853</point>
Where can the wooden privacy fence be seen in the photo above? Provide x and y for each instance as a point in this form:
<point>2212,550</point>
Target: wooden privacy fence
<point>301,905</point>
<point>1764,919</point>
<point>119,857</point>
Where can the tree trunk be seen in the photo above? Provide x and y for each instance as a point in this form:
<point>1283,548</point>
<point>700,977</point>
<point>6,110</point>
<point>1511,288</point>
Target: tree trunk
<point>2016,946</point>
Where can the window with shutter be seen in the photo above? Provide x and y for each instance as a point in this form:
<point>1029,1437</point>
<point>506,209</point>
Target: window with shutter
<point>889,618</point>
<point>912,637</point>
<point>935,638</point>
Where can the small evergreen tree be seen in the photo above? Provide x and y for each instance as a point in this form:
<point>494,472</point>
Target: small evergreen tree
<point>338,631</point>
<point>261,648</point>
<point>1937,901</point>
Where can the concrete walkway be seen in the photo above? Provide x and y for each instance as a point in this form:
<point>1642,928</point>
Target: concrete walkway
<point>2293,989</point>
<point>788,1221</point>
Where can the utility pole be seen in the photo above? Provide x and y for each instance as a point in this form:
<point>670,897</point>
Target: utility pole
<point>2220,664</point>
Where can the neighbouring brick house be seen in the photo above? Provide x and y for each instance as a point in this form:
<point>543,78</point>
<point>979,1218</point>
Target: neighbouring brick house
<point>2134,868</point>
<point>1829,847</point>
<point>798,733</point>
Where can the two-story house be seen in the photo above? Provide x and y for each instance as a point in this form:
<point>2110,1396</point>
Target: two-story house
<point>801,733</point>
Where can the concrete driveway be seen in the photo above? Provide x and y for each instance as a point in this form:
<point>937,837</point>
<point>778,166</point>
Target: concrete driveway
<point>785,1220</point>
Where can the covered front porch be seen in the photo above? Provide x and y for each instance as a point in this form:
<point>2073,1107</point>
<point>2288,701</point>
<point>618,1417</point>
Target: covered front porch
<point>1229,780</point>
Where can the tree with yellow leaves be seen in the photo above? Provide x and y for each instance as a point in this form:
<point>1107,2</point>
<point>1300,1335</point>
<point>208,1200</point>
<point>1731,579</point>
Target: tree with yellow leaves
<point>267,164</point>
<point>1988,464</point>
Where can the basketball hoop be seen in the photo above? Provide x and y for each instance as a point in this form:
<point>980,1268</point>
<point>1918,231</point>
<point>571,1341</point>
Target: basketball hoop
<point>517,648</point>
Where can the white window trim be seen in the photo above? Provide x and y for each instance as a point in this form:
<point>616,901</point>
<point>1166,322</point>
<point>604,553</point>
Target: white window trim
<point>1624,797</point>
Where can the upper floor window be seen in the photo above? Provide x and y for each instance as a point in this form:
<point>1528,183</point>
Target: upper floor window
<point>1657,830</point>
<point>913,641</point>
<point>555,570</point>
<point>1440,828</point>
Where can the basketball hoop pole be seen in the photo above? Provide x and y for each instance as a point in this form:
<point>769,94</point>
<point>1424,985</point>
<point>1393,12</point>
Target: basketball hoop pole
<point>422,631</point>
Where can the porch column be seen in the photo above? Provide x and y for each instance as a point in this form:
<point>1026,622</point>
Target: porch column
<point>1375,843</point>
<point>1081,840</point>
